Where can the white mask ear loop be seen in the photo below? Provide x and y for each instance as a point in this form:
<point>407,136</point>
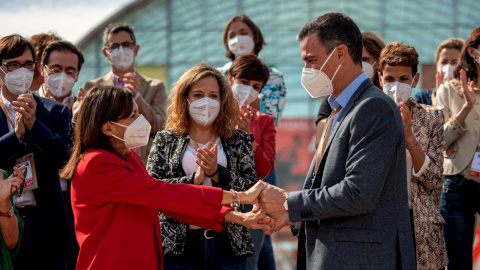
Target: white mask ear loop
<point>336,72</point>
<point>328,58</point>
<point>115,136</point>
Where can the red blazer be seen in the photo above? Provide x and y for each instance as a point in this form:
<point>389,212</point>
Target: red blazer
<point>262,126</point>
<point>116,204</point>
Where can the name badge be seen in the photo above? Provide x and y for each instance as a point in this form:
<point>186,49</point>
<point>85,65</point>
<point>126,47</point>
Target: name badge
<point>31,175</point>
<point>473,172</point>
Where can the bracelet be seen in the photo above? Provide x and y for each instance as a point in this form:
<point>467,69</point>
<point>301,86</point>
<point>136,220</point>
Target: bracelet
<point>413,148</point>
<point>236,199</point>
<point>213,174</point>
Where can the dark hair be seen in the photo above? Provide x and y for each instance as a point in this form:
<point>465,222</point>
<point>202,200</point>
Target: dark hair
<point>114,28</point>
<point>14,46</point>
<point>399,54</point>
<point>373,43</point>
<point>40,42</point>
<point>257,34</point>
<point>62,46</point>
<point>334,29</point>
<point>101,104</point>
<point>466,61</point>
<point>251,68</point>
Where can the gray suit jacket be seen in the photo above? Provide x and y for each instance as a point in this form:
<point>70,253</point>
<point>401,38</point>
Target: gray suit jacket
<point>356,214</point>
<point>152,103</point>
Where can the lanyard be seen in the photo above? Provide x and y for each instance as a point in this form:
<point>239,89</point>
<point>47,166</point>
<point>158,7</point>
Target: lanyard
<point>7,114</point>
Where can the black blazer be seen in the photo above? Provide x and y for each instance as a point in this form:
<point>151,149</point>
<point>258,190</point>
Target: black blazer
<point>50,141</point>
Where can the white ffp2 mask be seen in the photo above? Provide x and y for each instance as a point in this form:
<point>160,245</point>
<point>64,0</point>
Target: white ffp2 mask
<point>241,44</point>
<point>19,81</point>
<point>122,58</point>
<point>204,111</point>
<point>245,94</point>
<point>399,92</point>
<point>60,84</point>
<point>316,82</point>
<point>136,134</point>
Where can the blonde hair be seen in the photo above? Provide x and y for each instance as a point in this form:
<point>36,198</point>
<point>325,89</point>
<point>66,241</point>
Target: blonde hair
<point>179,119</point>
<point>451,43</point>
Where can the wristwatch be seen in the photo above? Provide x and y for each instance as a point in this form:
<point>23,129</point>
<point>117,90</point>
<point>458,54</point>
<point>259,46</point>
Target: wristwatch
<point>285,204</point>
<point>8,214</point>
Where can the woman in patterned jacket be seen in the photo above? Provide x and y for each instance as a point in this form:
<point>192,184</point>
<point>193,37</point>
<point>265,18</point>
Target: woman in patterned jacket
<point>424,141</point>
<point>201,146</point>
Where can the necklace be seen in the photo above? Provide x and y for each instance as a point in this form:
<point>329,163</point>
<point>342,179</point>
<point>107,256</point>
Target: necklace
<point>211,142</point>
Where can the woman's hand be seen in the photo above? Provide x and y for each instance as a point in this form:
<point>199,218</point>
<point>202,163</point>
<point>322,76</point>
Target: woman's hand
<point>251,196</point>
<point>407,125</point>
<point>251,220</point>
<point>469,97</point>
<point>468,92</point>
<point>244,119</point>
<point>199,176</point>
<point>11,184</point>
<point>207,159</point>
<point>439,79</point>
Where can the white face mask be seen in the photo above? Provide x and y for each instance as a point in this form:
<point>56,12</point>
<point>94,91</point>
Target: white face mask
<point>60,84</point>
<point>241,45</point>
<point>19,81</point>
<point>245,94</point>
<point>447,72</point>
<point>399,92</point>
<point>121,58</point>
<point>136,134</point>
<point>316,82</point>
<point>368,69</point>
<point>204,111</point>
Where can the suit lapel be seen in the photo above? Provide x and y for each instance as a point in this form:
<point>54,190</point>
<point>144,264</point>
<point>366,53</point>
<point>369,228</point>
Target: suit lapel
<point>363,86</point>
<point>3,123</point>
<point>346,110</point>
<point>143,85</point>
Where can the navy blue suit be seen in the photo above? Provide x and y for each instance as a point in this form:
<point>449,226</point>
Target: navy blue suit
<point>49,232</point>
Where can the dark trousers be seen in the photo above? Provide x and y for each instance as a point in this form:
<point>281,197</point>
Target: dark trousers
<point>32,253</point>
<point>459,203</point>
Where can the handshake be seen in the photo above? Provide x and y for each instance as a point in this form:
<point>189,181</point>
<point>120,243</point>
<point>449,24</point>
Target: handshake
<point>268,213</point>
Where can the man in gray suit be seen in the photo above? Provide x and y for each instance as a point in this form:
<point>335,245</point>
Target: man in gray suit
<point>353,211</point>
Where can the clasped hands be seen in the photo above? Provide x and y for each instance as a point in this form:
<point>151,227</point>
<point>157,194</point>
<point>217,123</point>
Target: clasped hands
<point>268,213</point>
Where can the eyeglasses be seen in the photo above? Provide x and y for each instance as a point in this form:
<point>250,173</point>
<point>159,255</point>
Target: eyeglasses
<point>56,70</point>
<point>125,45</point>
<point>12,66</point>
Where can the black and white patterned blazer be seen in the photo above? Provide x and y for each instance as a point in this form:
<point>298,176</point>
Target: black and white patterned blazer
<point>164,163</point>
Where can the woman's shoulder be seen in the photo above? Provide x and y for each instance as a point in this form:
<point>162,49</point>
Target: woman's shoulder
<point>428,112</point>
<point>260,116</point>
<point>275,72</point>
<point>168,134</point>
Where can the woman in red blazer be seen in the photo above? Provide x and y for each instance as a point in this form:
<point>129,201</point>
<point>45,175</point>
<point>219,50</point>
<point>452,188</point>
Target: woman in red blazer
<point>116,202</point>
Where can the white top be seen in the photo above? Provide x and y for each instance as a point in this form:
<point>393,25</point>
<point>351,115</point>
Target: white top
<point>190,167</point>
<point>411,171</point>
<point>27,197</point>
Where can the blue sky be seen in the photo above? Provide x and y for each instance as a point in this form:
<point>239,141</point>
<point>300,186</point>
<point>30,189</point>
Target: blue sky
<point>70,19</point>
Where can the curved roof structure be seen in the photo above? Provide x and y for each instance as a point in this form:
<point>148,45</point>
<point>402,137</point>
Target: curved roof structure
<point>176,34</point>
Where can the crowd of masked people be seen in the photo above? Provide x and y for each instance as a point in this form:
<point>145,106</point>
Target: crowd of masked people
<point>124,176</point>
